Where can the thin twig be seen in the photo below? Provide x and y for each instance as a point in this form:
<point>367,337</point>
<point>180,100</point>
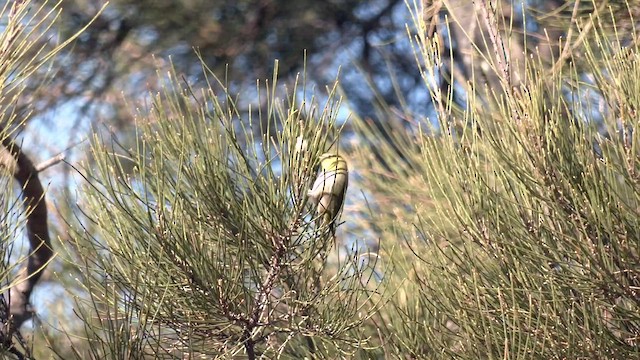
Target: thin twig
<point>263,297</point>
<point>498,44</point>
<point>569,45</point>
<point>49,163</point>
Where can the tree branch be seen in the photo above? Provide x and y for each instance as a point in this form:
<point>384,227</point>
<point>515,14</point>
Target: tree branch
<point>502,58</point>
<point>40,251</point>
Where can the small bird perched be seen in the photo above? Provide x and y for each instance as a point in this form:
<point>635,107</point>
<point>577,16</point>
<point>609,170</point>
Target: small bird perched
<point>329,189</point>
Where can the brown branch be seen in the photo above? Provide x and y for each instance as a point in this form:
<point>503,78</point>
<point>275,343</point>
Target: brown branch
<point>40,252</point>
<point>263,295</point>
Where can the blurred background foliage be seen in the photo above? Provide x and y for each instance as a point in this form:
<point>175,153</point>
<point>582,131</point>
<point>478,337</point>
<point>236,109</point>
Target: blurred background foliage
<point>493,208</point>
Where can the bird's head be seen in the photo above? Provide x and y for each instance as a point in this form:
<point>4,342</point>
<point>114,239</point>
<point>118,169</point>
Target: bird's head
<point>333,162</point>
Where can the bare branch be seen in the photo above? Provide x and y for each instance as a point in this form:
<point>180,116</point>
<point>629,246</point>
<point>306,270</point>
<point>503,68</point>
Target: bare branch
<point>49,163</point>
<point>37,231</point>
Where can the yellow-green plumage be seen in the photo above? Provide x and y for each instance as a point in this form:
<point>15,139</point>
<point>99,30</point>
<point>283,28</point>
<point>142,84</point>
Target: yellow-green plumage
<point>329,189</point>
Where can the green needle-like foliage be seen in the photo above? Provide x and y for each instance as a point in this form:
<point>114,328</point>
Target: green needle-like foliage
<point>26,49</point>
<point>521,227</point>
<point>202,242</point>
<point>507,227</point>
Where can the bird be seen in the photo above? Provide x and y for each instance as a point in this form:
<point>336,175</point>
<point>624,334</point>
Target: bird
<point>329,189</point>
